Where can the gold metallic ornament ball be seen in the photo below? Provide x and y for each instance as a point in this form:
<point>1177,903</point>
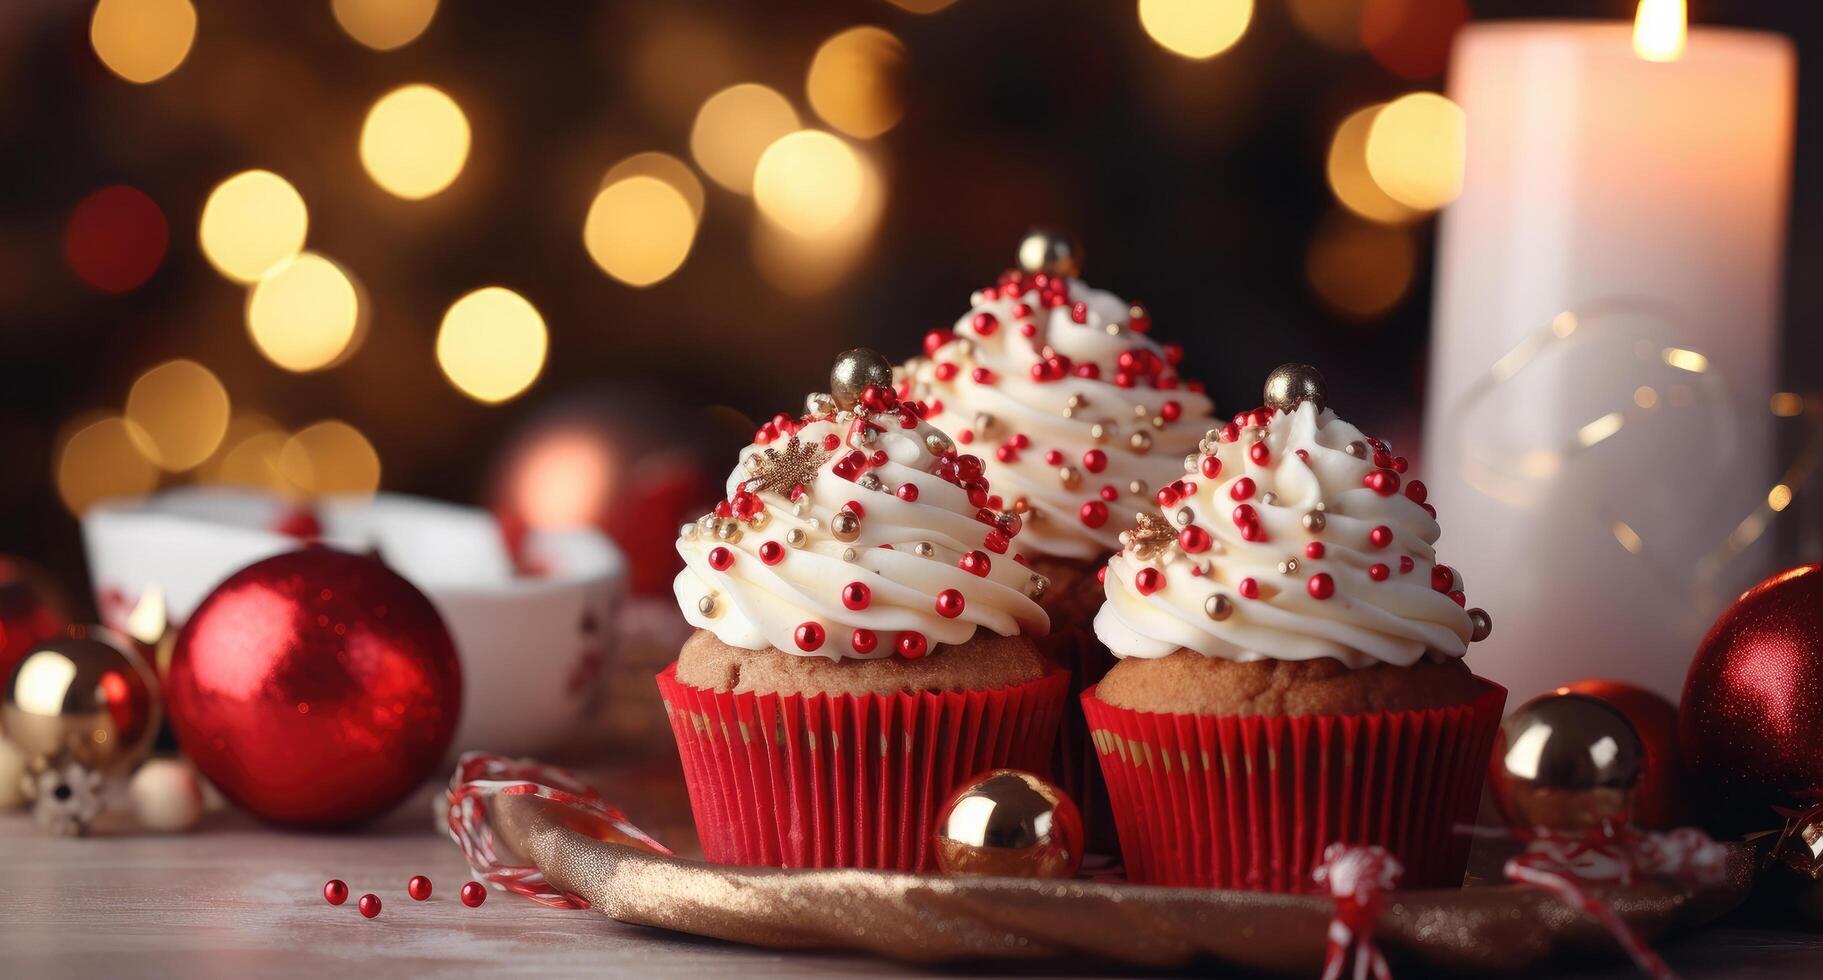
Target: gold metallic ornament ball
<point>1565,764</point>
<point>1009,823</point>
<point>86,696</point>
<point>1290,384</point>
<point>855,371</point>
<point>1051,253</point>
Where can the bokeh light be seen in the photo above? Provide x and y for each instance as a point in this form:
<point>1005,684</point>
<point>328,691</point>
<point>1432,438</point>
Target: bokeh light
<point>1660,28</point>
<point>330,456</point>
<point>115,239</point>
<point>384,24</point>
<point>178,413</point>
<point>100,460</point>
<point>639,230</point>
<point>1335,24</point>
<point>492,344</point>
<point>415,141</point>
<point>1195,29</point>
<point>922,6</point>
<point>665,167</point>
<point>1415,150</point>
<point>250,223</point>
<point>804,265</point>
<point>856,81</point>
<point>1412,38</point>
<point>562,479</point>
<point>305,315</point>
<point>1360,269</point>
<point>249,454</point>
<point>142,41</point>
<point>734,127</point>
<point>808,182</point>
<point>1348,176</point>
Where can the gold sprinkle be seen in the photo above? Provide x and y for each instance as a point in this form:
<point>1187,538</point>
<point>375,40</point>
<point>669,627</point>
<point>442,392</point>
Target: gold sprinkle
<point>1069,477</point>
<point>1218,606</point>
<point>1314,521</point>
<point>1138,488</point>
<point>706,605</point>
<point>1141,442</point>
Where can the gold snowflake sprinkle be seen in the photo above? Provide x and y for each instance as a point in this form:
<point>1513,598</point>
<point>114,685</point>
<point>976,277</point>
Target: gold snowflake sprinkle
<point>780,471</point>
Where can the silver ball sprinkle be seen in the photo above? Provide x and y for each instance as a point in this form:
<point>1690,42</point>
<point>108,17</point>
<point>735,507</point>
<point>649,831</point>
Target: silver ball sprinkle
<point>1357,449</point>
<point>1482,624</point>
<point>845,526</point>
<point>760,520</point>
<point>1101,430</point>
<point>1218,607</point>
<point>1288,567</point>
<point>938,443</point>
<point>1138,488</point>
<point>1141,442</point>
<point>795,537</point>
<point>1315,521</point>
<point>1035,589</point>
<point>1050,252</point>
<point>849,554</point>
<point>729,531</point>
<point>923,549</point>
<point>819,403</point>
<point>856,370</point>
<point>687,532</point>
<point>1184,516</point>
<point>984,424</point>
<point>706,605</point>
<point>1292,384</point>
<point>1069,477</point>
<point>868,481</point>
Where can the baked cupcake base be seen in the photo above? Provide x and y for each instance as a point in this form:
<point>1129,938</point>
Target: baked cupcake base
<point>1071,601</point>
<point>851,779</point>
<point>1250,800</point>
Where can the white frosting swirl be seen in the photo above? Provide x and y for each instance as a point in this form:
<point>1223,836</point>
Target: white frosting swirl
<point>1325,551</point>
<point>788,579</point>
<point>1073,509</point>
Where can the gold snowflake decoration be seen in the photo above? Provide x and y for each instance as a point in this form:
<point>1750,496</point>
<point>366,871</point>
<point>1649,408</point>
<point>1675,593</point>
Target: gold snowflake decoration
<point>779,472</point>
<point>1152,535</point>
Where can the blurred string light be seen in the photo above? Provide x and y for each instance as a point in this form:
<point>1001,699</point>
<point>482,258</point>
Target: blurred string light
<point>1412,38</point>
<point>856,81</point>
<point>1335,24</point>
<point>733,127</point>
<point>142,41</point>
<point>101,459</point>
<point>922,6</point>
<point>1348,176</point>
<point>384,24</point>
<point>178,413</point>
<point>248,455</point>
<point>665,167</point>
<point>1358,268</point>
<point>1195,29</point>
<point>1415,148</point>
<point>1659,29</point>
<point>306,314</point>
<point>330,456</point>
<point>415,141</point>
<point>115,239</point>
<point>250,223</point>
<point>639,230</point>
<point>808,182</point>
<point>803,265</point>
<point>492,344</point>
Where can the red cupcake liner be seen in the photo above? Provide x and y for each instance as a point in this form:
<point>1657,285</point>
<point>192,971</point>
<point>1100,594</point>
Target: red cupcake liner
<point>1078,770</point>
<point>1251,802</point>
<point>844,781</point>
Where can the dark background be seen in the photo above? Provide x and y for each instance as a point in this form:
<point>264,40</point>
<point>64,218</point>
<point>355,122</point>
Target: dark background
<point>1195,186</point>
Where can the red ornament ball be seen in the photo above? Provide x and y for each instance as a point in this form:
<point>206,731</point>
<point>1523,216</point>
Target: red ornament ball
<point>315,688</point>
<point>335,891</point>
<point>1658,802</point>
<point>1753,704</point>
<point>369,905</point>
<point>473,894</point>
<point>418,888</point>
<point>32,610</point>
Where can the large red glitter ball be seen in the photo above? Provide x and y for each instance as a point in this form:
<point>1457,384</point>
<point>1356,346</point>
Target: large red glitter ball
<point>1753,704</point>
<point>316,688</point>
<point>1658,800</point>
<point>32,610</point>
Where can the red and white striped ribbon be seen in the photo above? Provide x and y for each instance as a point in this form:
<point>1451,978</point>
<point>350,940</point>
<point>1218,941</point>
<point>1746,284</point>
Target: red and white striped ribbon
<point>1359,877</point>
<point>479,777</point>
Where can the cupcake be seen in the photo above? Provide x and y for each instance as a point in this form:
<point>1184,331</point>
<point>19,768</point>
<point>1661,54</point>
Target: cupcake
<point>864,638</point>
<point>1080,416</point>
<point>1291,662</point>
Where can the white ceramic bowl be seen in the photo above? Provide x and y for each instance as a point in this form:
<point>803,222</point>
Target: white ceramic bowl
<point>534,648</point>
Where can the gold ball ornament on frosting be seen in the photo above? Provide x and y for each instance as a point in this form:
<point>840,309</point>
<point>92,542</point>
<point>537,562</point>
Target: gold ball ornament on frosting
<point>1291,384</point>
<point>87,697</point>
<point>1009,823</point>
<point>855,371</point>
<point>1565,765</point>
<point>1050,252</point>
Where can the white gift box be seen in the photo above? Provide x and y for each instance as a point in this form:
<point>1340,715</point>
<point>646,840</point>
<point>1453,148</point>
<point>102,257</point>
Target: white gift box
<point>534,648</point>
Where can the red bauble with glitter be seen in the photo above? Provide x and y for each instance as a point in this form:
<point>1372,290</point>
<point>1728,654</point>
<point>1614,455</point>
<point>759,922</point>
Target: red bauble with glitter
<point>1751,724</point>
<point>316,688</point>
<point>1659,801</point>
<point>32,610</point>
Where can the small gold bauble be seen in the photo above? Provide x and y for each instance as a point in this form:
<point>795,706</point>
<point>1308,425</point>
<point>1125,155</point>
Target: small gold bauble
<point>795,537</point>
<point>855,371</point>
<point>1069,477</point>
<point>845,526</point>
<point>1138,488</point>
<point>1141,442</point>
<point>1009,823</point>
<point>819,403</point>
<point>1218,606</point>
<point>1482,625</point>
<point>1100,431</point>
<point>984,424</point>
<point>1357,449</point>
<point>923,549</point>
<point>1315,521</point>
<point>706,605</point>
<point>938,443</point>
<point>1036,587</point>
<point>1290,385</point>
<point>1051,253</point>
<point>1565,764</point>
<point>86,696</point>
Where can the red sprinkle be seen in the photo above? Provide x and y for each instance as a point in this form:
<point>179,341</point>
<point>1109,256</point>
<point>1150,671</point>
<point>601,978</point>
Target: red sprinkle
<point>864,641</point>
<point>975,563</point>
<point>1457,597</point>
<point>856,595</point>
<point>950,603</point>
<point>1212,466</point>
<point>912,645</point>
<point>1149,580</point>
<point>369,905</point>
<point>1314,549</point>
<point>1094,513</point>
<point>1101,575</point>
<point>772,552</point>
<point>1442,579</point>
<point>1417,491</point>
<point>1194,539</point>
<point>1378,572</point>
<point>1242,488</point>
<point>1406,564</point>
<point>1259,453</point>
<point>982,376</point>
<point>335,891</point>
<point>1094,461</point>
<point>1380,536</point>
<point>1383,482</point>
<point>418,888</point>
<point>809,636</point>
<point>473,894</point>
<point>985,324</point>
<point>720,558</point>
<point>1170,411</point>
<point>1321,586</point>
<point>946,370</point>
<point>907,492</point>
<point>1248,588</point>
<point>1109,494</point>
<point>1053,458</point>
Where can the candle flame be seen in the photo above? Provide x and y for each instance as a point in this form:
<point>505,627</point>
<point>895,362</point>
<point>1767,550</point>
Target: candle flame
<point>1659,29</point>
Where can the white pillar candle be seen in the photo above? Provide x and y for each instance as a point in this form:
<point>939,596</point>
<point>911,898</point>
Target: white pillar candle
<point>1607,329</point>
